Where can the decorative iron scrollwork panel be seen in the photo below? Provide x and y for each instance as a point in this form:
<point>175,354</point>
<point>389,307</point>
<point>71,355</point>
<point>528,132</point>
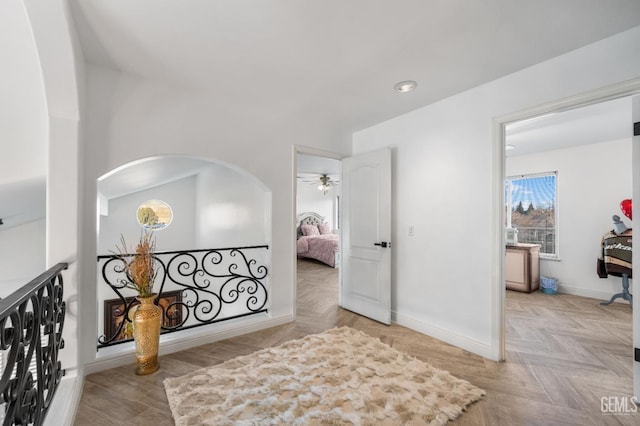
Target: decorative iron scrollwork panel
<point>31,325</point>
<point>214,285</point>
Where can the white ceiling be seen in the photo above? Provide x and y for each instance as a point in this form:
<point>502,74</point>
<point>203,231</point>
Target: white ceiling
<point>605,121</point>
<point>311,164</point>
<point>311,167</point>
<point>336,61</point>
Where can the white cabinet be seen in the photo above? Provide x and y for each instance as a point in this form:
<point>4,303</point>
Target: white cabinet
<point>522,267</point>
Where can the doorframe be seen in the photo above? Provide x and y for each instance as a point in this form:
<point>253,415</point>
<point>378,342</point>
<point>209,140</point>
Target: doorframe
<point>306,150</point>
<point>614,91</point>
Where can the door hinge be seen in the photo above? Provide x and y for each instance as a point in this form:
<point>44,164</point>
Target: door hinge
<point>636,354</point>
<point>636,129</point>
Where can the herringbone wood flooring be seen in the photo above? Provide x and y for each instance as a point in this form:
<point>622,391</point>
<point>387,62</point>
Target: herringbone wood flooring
<point>564,353</point>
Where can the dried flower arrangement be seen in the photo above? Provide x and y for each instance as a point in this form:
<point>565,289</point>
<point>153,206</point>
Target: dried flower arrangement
<point>139,266</point>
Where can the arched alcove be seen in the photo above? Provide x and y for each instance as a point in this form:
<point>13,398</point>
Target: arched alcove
<point>217,209</point>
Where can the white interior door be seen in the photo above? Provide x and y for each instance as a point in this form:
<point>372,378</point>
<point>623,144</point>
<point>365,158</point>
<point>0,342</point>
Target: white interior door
<point>635,259</point>
<point>366,235</point>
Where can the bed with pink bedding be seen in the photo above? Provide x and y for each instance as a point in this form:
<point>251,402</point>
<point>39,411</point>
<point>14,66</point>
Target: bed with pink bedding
<point>316,240</point>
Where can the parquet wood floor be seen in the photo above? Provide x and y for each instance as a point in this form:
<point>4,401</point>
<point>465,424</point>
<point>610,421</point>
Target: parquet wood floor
<point>564,353</point>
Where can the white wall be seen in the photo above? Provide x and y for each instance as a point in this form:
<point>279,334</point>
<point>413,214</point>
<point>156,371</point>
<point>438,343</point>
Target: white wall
<point>23,111</point>
<point>218,207</point>
<point>61,71</point>
<point>180,195</point>
<point>23,144</point>
<point>592,180</point>
<point>442,183</point>
<point>122,220</point>
<point>129,119</point>
<point>22,255</point>
<point>232,211</point>
<point>635,259</point>
<point>310,199</point>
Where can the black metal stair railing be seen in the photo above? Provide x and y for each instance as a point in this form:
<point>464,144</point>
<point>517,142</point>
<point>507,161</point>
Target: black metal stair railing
<point>194,287</point>
<point>31,323</point>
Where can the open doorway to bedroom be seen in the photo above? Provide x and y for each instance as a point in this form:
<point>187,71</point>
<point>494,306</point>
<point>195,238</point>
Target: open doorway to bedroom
<point>566,174</point>
<point>317,230</point>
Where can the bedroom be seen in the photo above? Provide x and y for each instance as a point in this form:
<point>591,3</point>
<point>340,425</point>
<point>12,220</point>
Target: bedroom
<point>575,145</point>
<point>317,209</point>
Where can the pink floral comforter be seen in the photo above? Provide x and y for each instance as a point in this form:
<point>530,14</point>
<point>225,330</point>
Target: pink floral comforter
<point>319,247</point>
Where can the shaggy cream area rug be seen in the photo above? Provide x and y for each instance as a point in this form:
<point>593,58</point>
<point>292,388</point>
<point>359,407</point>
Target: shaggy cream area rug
<point>341,376</point>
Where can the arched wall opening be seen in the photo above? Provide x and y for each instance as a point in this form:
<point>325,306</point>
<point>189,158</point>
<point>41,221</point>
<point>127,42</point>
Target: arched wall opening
<point>214,206</point>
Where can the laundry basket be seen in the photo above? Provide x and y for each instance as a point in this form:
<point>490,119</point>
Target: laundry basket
<point>548,285</point>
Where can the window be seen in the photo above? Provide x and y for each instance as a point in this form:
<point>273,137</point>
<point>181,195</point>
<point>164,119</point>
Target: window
<point>531,209</point>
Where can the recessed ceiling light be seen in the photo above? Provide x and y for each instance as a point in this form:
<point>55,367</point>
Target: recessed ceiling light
<point>508,147</point>
<point>405,86</point>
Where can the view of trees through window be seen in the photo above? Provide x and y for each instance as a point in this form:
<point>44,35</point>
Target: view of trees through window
<point>531,201</point>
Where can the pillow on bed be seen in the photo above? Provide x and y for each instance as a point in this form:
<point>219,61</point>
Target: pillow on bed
<point>308,230</point>
<point>324,228</point>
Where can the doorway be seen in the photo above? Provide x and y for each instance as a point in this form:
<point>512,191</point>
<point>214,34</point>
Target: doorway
<point>363,245</point>
<point>317,229</point>
<point>601,222</point>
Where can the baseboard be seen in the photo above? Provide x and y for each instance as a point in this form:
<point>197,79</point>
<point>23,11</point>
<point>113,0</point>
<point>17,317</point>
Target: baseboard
<point>593,294</point>
<point>62,411</point>
<point>464,342</point>
<point>187,339</point>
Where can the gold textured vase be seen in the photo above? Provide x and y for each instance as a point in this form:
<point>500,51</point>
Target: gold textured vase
<point>146,333</point>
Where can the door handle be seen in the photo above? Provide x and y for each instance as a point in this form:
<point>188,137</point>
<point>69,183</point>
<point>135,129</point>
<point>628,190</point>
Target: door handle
<point>383,244</point>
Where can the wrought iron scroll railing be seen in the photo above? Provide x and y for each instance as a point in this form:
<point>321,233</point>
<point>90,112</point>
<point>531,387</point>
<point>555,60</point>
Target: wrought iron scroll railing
<point>194,288</point>
<point>546,237</point>
<point>31,322</point>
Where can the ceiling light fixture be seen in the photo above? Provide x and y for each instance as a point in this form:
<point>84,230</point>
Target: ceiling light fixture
<point>325,184</point>
<point>509,147</point>
<point>405,86</point>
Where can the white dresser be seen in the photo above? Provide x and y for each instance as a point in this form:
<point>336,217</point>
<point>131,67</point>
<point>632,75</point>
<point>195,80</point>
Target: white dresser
<point>522,267</point>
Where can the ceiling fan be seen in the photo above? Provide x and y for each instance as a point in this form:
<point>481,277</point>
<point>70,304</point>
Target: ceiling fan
<point>324,181</point>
